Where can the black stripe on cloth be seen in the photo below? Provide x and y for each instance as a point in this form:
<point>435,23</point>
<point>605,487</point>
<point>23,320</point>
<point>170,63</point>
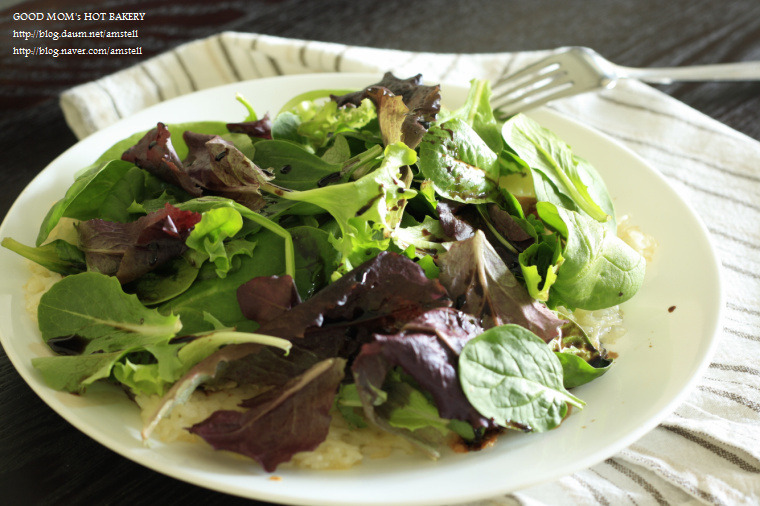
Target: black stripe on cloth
<point>598,496</point>
<point>639,458</point>
<point>155,83</point>
<point>743,272</point>
<point>602,477</point>
<point>637,479</point>
<point>339,58</point>
<point>111,98</point>
<point>739,399</point>
<point>302,53</point>
<point>713,448</point>
<point>186,70</point>
<point>743,335</point>
<point>656,112</point>
<point>730,237</point>
<point>742,309</point>
<point>228,59</point>
<point>275,65</point>
<point>712,193</point>
<point>735,368</point>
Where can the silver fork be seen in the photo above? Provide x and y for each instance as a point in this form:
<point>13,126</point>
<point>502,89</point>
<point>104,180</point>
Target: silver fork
<point>573,70</point>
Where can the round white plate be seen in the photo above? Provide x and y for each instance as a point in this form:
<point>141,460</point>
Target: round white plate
<point>660,358</point>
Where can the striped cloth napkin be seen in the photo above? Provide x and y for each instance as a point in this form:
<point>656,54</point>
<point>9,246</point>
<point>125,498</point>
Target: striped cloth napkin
<point>708,450</point>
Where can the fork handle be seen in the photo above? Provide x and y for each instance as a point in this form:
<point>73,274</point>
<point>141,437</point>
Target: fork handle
<point>741,71</point>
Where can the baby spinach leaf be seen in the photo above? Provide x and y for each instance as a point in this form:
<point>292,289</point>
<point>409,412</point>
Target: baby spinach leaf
<point>94,308</point>
<point>511,376</point>
<point>164,283</point>
<point>599,269</point>
<point>106,193</point>
<point>459,163</point>
<point>558,176</point>
<point>577,371</point>
<point>294,167</point>
<point>218,296</point>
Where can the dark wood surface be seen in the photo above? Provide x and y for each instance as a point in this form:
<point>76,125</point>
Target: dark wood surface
<point>44,460</point>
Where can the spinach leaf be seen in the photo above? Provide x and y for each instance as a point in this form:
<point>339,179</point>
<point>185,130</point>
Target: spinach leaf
<point>294,167</point>
<point>511,376</point>
<point>559,177</point>
<point>218,296</point>
<point>106,194</point>
<point>599,269</point>
<point>58,256</point>
<point>164,283</point>
<point>577,371</point>
<point>459,163</point>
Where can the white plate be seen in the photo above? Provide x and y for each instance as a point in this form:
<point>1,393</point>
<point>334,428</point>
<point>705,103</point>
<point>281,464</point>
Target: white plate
<point>659,359</point>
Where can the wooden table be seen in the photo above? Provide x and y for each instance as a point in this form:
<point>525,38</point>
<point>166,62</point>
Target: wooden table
<point>44,460</point>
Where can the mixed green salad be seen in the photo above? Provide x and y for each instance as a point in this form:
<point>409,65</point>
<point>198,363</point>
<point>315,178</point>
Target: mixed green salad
<point>362,252</point>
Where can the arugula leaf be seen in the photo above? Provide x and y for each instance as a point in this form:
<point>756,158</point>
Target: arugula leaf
<point>76,373</point>
<point>512,377</point>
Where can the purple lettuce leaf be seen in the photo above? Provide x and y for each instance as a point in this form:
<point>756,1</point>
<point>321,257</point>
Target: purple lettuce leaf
<point>155,154</point>
<point>280,422</point>
<point>481,284</point>
<point>218,167</point>
<point>379,296</point>
<point>423,102</point>
<point>259,129</point>
<point>427,348</point>
<point>264,298</point>
<point>456,219</point>
<point>204,371</point>
<point>129,250</point>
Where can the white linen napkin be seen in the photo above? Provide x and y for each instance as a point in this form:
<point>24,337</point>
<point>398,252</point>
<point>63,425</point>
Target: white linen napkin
<point>708,451</point>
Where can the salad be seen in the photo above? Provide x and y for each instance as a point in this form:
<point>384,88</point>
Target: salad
<point>364,254</point>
